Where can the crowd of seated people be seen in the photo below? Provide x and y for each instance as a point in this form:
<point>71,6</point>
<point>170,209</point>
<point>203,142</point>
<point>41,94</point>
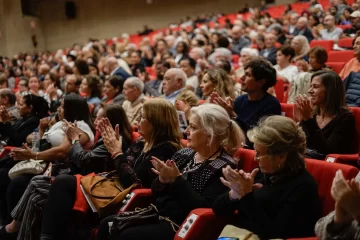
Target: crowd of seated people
<point>167,110</point>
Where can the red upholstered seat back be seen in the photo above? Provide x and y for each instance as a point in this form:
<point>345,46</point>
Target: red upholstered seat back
<point>135,135</point>
<point>287,110</point>
<point>340,56</point>
<point>246,159</point>
<point>327,44</point>
<point>356,112</point>
<point>324,173</point>
<point>336,66</point>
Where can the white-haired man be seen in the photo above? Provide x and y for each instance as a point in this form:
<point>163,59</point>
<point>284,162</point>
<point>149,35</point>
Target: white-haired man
<point>174,83</point>
<point>133,93</point>
<point>302,28</point>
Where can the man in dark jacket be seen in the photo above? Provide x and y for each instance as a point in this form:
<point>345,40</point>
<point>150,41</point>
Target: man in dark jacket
<point>303,29</point>
<point>270,50</point>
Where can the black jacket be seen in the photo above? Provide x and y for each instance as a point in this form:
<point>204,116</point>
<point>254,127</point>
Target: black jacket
<point>271,56</point>
<point>286,208</point>
<point>16,134</point>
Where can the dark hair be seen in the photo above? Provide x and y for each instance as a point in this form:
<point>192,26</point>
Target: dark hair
<point>191,61</point>
<point>262,69</point>
<point>287,51</point>
<point>94,66</point>
<point>68,69</point>
<point>157,42</point>
<point>349,9</point>
<point>316,18</point>
<point>116,115</point>
<point>225,65</point>
<point>223,42</point>
<point>185,51</point>
<point>334,92</point>
<point>117,82</point>
<point>54,79</point>
<point>82,67</point>
<point>320,54</point>
<point>201,43</point>
<point>40,107</point>
<point>94,84</point>
<point>8,93</point>
<point>3,80</point>
<point>77,109</point>
<point>277,29</point>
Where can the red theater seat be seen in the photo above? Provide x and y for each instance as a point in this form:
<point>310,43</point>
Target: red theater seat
<point>287,110</point>
<point>279,90</point>
<point>336,66</point>
<point>327,44</point>
<point>346,42</point>
<point>340,56</point>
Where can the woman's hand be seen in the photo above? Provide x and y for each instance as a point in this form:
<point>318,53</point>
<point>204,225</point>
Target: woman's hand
<point>5,116</point>
<point>183,106</point>
<point>239,182</point>
<point>167,172</point>
<point>44,123</point>
<point>22,154</point>
<point>111,138</point>
<point>341,215</point>
<point>303,107</point>
<point>227,104</point>
<point>71,130</point>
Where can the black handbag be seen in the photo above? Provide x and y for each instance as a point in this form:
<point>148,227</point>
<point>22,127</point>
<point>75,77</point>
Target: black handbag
<point>141,216</point>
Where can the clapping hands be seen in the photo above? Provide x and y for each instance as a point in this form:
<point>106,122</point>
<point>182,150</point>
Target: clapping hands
<point>167,171</point>
<point>302,108</point>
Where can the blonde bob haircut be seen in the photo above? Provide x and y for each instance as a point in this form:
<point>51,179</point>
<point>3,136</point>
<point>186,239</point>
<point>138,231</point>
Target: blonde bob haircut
<point>161,114</point>
<point>281,135</point>
<point>217,123</point>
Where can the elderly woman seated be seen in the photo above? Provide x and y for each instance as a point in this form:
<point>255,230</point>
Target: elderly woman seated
<point>280,198</point>
<point>191,179</point>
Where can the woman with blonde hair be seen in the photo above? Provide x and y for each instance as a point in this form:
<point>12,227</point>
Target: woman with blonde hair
<point>301,47</point>
<point>216,80</point>
<point>191,179</point>
<point>275,199</point>
<point>160,138</point>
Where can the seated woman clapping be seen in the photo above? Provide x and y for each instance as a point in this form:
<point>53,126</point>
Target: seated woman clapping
<point>327,122</point>
<point>343,223</point>
<point>280,198</point>
<point>160,133</point>
<point>26,222</point>
<point>191,178</point>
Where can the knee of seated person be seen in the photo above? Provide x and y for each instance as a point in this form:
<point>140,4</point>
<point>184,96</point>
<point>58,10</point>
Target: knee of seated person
<point>64,182</point>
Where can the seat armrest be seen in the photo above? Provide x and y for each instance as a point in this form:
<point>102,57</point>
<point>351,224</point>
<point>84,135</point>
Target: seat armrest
<point>348,159</point>
<point>5,151</point>
<point>202,223</point>
<point>141,197</point>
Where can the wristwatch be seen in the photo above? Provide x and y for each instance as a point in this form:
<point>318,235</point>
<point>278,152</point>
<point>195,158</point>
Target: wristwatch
<point>74,141</point>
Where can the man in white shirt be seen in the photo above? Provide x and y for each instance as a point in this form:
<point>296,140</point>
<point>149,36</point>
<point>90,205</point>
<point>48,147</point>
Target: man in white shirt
<point>188,65</point>
<point>330,32</point>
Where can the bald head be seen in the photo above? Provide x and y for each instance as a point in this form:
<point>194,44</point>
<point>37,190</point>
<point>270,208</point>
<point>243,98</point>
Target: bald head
<point>302,23</point>
<point>270,40</point>
<point>236,32</point>
<point>329,21</point>
<point>111,64</point>
<point>174,80</point>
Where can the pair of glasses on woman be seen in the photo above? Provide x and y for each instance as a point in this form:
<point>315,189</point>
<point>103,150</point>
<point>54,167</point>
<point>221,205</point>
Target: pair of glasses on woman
<point>257,157</point>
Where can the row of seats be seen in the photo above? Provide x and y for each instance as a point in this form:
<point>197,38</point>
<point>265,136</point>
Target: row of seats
<point>203,224</point>
<point>349,159</point>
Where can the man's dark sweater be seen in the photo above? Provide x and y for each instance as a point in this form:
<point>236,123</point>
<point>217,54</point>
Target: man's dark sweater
<point>250,112</point>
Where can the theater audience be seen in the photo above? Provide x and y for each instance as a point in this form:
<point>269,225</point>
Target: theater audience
<point>91,89</point>
<point>269,52</point>
<point>302,29</point>
<point>133,166</point>
<point>275,199</point>
<point>98,159</point>
<point>327,122</point>
<point>34,87</point>
<point>248,109</point>
<point>301,47</point>
<point>113,89</point>
<point>284,69</point>
<point>113,68</point>
<point>179,188</point>
<point>343,222</point>
<point>330,32</point>
<point>188,65</point>
<point>133,93</point>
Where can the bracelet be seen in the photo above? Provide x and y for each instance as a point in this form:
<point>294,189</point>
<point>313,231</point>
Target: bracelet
<point>116,154</point>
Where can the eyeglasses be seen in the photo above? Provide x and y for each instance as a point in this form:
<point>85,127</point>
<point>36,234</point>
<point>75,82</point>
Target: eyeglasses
<point>257,157</point>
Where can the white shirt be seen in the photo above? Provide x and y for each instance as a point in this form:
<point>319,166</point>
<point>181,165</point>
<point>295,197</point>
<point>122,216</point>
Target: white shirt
<point>288,73</point>
<point>55,135</point>
<point>193,82</point>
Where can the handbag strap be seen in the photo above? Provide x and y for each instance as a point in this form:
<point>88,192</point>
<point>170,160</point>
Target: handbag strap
<point>100,181</point>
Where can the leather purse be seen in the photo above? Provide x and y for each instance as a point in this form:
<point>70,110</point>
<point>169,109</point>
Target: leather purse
<point>31,166</point>
<point>105,193</point>
<point>141,216</point>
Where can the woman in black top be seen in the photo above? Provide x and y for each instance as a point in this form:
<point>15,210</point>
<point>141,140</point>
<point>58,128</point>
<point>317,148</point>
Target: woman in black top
<point>98,159</point>
<point>280,198</point>
<point>160,137</point>
<point>191,179</point>
<point>327,122</point>
<point>31,109</point>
